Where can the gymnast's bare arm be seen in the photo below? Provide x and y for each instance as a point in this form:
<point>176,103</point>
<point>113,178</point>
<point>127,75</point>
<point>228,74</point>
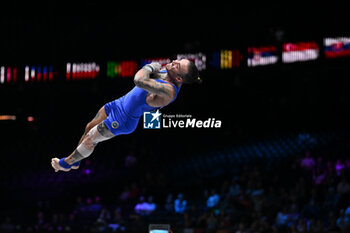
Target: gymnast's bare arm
<point>163,90</point>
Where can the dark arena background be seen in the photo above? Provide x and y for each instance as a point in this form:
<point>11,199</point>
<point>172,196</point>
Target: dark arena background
<point>276,77</point>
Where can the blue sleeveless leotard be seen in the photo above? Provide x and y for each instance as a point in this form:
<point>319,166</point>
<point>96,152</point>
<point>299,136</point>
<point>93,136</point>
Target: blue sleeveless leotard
<point>123,114</point>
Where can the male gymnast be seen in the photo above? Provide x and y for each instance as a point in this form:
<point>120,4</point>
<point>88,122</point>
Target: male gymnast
<point>121,116</point>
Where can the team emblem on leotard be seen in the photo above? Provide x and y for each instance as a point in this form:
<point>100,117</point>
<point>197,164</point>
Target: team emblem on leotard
<point>115,124</point>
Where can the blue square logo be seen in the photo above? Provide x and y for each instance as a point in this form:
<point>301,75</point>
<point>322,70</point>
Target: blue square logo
<point>152,120</point>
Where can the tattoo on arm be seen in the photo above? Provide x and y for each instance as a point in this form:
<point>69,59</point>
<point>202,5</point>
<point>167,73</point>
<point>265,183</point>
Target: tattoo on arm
<point>153,87</point>
<point>142,79</point>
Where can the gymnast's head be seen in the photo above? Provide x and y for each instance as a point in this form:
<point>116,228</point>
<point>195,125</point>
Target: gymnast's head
<point>183,71</point>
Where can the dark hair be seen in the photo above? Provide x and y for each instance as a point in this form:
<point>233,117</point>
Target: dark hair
<point>192,76</point>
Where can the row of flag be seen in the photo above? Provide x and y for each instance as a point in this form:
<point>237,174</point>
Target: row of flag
<point>300,51</point>
<point>130,67</point>
<point>223,59</point>
<point>78,71</point>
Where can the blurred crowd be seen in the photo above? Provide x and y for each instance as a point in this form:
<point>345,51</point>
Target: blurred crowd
<point>309,193</point>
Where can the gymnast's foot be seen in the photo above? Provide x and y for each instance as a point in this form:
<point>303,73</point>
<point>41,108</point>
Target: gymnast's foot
<point>55,163</point>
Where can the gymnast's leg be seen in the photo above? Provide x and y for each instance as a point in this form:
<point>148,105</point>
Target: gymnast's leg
<point>100,116</point>
<point>98,119</point>
<point>97,134</point>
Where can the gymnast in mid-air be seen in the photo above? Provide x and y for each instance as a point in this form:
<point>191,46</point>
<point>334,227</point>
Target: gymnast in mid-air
<point>121,116</point>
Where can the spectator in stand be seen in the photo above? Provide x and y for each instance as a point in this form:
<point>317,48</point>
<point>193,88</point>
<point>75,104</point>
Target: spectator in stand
<point>169,204</point>
<point>341,219</point>
<point>339,167</point>
<point>96,206</point>
<point>104,215</point>
<point>308,162</point>
<point>234,188</point>
<point>347,211</point>
<point>180,204</point>
<point>293,215</point>
<point>318,176</point>
<point>151,206</point>
<point>213,199</point>
<point>140,205</point>
<point>117,220</point>
<point>117,223</point>
<point>103,220</point>
<point>89,204</point>
<point>145,207</point>
<point>254,202</point>
<point>302,226</point>
<point>347,217</point>
<point>282,219</point>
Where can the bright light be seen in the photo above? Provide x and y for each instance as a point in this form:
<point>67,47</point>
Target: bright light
<point>7,117</point>
<point>26,73</point>
<point>2,74</point>
<point>30,119</point>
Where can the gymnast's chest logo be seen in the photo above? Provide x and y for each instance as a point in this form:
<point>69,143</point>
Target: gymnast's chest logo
<point>152,120</point>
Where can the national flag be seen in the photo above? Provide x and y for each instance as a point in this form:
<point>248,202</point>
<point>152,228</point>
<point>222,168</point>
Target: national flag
<point>301,51</point>
<point>262,55</point>
<point>337,47</point>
